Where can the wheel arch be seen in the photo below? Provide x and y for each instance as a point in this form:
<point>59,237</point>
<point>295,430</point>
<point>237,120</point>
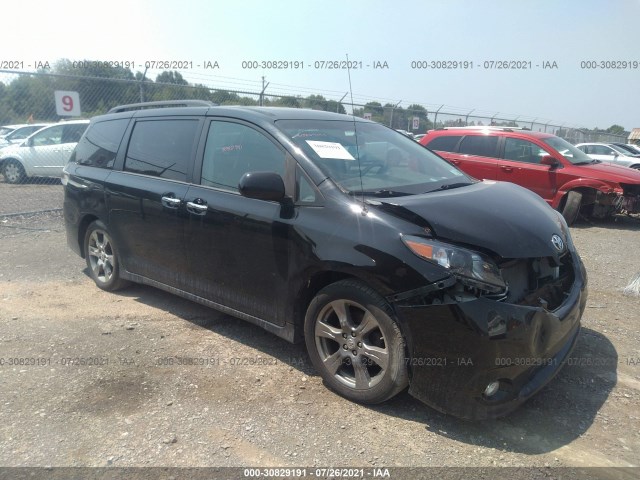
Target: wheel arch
<point>82,231</point>
<point>18,160</point>
<point>315,282</point>
<point>589,194</point>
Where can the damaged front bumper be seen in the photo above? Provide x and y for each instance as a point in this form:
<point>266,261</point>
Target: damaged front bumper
<point>461,364</point>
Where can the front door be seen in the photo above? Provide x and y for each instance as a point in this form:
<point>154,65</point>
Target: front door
<point>237,247</point>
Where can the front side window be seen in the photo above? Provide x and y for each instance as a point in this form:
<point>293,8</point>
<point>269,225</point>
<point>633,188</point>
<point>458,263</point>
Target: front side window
<point>50,136</point>
<point>233,149</point>
<point>371,159</point>
<point>521,150</point>
<point>99,146</point>
<point>601,150</point>
<point>161,148</point>
<point>480,145</point>
<point>568,151</point>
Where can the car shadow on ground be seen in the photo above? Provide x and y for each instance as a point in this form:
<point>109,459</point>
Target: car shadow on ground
<point>561,412</point>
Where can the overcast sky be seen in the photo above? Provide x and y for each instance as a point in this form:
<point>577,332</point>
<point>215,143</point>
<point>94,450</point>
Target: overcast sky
<point>396,32</point>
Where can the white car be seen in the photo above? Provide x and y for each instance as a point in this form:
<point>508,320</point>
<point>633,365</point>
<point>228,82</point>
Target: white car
<point>44,153</point>
<point>608,153</point>
<point>21,133</point>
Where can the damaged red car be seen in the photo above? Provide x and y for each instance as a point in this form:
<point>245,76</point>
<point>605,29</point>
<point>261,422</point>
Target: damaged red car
<point>567,178</point>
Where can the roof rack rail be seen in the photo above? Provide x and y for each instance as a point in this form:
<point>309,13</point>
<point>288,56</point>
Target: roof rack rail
<point>485,127</point>
<point>162,104</point>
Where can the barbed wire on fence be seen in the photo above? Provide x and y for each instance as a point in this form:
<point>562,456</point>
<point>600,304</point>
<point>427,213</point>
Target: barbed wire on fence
<point>29,95</point>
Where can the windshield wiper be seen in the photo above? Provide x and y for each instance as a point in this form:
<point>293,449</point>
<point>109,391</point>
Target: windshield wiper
<point>448,186</point>
<point>382,193</point>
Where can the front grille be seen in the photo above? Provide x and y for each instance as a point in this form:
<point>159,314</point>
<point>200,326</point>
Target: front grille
<point>538,282</point>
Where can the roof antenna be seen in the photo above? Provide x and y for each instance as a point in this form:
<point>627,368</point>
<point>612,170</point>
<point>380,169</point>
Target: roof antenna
<point>355,132</point>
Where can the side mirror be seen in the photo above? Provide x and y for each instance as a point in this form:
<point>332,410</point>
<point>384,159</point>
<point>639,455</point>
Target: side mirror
<point>549,160</point>
<point>262,186</point>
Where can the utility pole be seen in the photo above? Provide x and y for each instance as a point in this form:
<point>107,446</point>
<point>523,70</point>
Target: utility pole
<point>264,87</point>
<point>392,109</point>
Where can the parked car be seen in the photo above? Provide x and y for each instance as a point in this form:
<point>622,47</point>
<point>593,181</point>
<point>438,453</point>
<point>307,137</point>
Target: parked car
<point>21,133</point>
<point>563,175</point>
<point>612,154</point>
<point>628,147</point>
<point>418,137</point>
<point>391,264</point>
<point>43,153</point>
<point>405,132</point>
<point>7,129</point>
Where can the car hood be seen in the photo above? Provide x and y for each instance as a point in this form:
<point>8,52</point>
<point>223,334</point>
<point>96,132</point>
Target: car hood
<point>497,216</point>
<point>614,173</point>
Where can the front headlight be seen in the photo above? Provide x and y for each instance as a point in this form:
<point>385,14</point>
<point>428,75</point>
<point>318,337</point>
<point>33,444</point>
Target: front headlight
<point>472,268</point>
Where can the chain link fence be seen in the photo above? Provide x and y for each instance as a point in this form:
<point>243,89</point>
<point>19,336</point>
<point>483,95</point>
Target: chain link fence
<point>31,168</point>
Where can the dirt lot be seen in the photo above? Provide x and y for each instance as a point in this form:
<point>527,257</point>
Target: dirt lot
<point>101,381</point>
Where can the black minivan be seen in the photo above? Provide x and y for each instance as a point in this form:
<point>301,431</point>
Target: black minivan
<point>396,268</point>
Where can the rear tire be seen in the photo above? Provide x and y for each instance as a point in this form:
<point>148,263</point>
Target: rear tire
<point>572,207</point>
<point>13,172</point>
<point>102,258</point>
<point>355,343</point>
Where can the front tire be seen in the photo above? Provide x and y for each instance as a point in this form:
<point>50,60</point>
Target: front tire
<point>355,344</point>
<point>13,172</point>
<point>572,207</point>
<point>102,258</point>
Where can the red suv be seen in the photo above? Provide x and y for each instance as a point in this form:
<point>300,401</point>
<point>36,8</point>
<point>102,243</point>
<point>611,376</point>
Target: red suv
<point>568,179</point>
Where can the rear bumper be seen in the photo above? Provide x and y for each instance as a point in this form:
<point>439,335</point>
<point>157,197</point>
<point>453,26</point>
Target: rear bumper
<point>452,358</point>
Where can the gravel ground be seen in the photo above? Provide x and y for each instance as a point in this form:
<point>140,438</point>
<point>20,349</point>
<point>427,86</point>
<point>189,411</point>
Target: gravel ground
<point>106,382</point>
<point>35,195</point>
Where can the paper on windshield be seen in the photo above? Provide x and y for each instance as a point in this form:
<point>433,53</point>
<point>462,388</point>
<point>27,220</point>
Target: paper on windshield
<point>330,150</point>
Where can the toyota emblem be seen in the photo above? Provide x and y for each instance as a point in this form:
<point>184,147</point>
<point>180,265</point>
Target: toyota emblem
<point>558,243</point>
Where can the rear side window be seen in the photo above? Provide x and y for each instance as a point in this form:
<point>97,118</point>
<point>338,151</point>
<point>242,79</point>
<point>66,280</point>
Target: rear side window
<point>481,145</point>
<point>445,143</point>
<point>99,146</point>
<point>161,148</point>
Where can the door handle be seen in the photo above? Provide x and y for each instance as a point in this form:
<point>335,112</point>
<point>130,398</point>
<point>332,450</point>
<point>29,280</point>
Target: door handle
<point>170,202</point>
<point>506,169</point>
<point>197,208</point>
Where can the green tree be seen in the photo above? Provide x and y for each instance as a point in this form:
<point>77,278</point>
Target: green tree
<point>616,130</point>
<point>174,78</point>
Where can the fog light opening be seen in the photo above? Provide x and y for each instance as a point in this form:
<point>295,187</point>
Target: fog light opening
<point>492,389</point>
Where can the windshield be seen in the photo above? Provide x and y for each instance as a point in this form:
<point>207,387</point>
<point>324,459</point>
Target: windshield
<point>377,161</point>
<point>619,149</point>
<point>568,151</point>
